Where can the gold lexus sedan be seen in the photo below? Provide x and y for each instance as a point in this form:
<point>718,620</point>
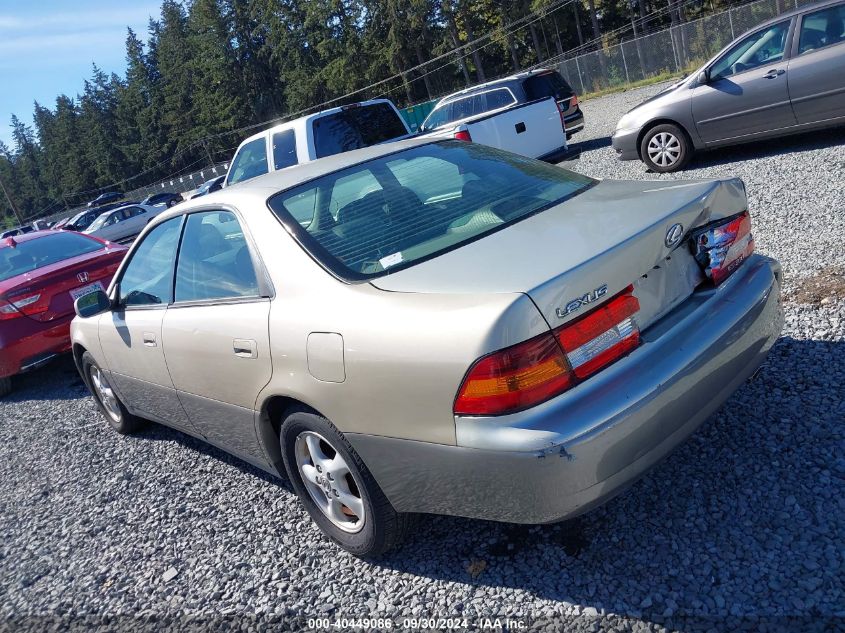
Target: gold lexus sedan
<point>435,327</point>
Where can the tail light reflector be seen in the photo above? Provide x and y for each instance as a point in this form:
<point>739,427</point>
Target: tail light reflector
<point>532,372</point>
<point>573,101</point>
<point>463,135</point>
<point>721,247</point>
<point>26,306</point>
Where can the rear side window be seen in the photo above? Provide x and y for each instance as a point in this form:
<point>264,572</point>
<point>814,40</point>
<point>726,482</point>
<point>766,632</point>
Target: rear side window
<point>284,149</point>
<point>250,162</point>
<point>356,127</point>
<point>148,277</point>
<point>43,251</point>
<point>547,85</point>
<point>469,106</point>
<point>214,260</point>
<point>821,29</point>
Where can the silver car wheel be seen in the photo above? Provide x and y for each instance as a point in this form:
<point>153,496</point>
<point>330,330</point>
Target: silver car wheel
<point>105,393</point>
<point>330,482</point>
<point>664,149</point>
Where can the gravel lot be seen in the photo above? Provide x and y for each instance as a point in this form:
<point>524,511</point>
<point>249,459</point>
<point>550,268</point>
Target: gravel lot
<point>744,525</point>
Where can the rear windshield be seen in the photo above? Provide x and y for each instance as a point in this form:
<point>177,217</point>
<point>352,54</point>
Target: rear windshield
<point>469,106</point>
<point>356,127</point>
<point>43,251</point>
<point>392,212</point>
<point>547,85</point>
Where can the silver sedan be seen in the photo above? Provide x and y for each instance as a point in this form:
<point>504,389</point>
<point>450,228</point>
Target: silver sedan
<point>123,223</point>
<point>435,327</point>
<point>784,77</point>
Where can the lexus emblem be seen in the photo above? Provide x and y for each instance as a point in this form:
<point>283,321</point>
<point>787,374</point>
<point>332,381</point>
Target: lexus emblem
<point>674,235</point>
<point>83,277</point>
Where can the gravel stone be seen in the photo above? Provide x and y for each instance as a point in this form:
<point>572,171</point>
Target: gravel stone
<point>745,518</point>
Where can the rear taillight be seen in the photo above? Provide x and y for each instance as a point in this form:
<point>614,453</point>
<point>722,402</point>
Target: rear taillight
<point>573,101</point>
<point>463,135</point>
<point>26,306</point>
<point>561,108</point>
<point>721,247</point>
<point>529,373</point>
<point>599,337</point>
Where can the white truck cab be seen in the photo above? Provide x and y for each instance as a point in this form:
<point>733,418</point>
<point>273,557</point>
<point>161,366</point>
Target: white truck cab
<point>316,136</point>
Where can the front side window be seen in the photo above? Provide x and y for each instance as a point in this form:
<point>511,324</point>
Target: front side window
<point>214,260</point>
<point>148,277</point>
<point>763,47</point>
<point>250,162</point>
<point>284,149</point>
<point>402,218</point>
<point>821,29</point>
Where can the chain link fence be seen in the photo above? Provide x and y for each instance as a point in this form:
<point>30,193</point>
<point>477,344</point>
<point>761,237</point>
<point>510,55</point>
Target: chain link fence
<point>673,50</point>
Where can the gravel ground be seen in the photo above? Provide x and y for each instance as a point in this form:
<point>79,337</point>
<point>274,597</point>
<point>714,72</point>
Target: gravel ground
<point>741,527</point>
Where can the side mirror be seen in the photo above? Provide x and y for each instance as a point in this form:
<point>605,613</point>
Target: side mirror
<point>704,77</point>
<point>92,304</point>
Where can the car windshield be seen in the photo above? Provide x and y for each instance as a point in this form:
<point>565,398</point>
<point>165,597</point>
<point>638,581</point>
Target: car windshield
<point>403,208</point>
<point>355,127</point>
<point>99,222</point>
<point>42,251</point>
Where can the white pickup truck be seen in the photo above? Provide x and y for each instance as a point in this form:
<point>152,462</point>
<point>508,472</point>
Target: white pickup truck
<point>493,117</point>
<point>316,136</point>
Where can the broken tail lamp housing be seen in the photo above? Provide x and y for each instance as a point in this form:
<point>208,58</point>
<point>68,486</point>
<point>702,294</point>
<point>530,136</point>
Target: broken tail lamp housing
<point>721,247</point>
<point>526,374</point>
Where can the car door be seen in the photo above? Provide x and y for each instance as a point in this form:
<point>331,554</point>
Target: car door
<point>136,220</point>
<point>130,335</point>
<point>216,338</point>
<point>747,91</point>
<point>817,67</point>
<point>111,227</point>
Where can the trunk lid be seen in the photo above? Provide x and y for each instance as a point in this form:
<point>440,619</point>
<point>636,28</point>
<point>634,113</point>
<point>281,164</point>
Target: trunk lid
<point>54,283</point>
<point>592,246</point>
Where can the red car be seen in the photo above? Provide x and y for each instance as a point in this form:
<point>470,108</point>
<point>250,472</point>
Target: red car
<point>41,274</point>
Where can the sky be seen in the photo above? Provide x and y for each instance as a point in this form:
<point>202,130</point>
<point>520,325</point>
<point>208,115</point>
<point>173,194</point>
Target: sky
<point>47,48</point>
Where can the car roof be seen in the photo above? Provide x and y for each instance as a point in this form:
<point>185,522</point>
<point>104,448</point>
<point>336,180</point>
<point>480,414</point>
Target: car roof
<point>496,83</point>
<point>262,187</point>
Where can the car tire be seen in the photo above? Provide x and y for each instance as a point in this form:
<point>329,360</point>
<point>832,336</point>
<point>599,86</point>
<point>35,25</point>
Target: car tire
<point>313,448</point>
<point>5,386</point>
<point>666,148</point>
<point>107,401</point>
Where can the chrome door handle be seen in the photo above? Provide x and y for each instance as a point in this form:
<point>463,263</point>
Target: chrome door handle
<point>774,72</point>
<point>150,339</point>
<point>245,348</point>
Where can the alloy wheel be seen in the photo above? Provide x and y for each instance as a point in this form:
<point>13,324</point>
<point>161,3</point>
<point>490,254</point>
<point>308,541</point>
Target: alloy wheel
<point>330,481</point>
<point>105,393</point>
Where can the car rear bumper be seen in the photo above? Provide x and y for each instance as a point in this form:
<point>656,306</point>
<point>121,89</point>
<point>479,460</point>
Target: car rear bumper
<point>576,451</point>
<point>625,144</point>
<point>26,344</point>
